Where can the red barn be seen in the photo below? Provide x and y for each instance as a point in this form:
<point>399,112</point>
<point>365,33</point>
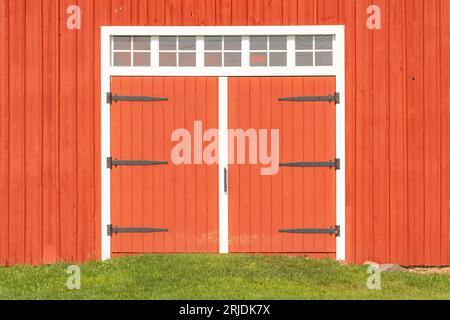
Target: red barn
<point>301,127</point>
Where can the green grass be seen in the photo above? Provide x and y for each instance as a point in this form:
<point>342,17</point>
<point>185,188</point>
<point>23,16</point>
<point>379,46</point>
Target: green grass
<point>216,277</point>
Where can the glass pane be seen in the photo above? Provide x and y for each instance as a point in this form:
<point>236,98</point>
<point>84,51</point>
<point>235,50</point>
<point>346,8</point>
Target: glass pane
<point>278,43</point>
<point>213,43</point>
<point>232,59</point>
<point>141,43</point>
<point>122,43</point>
<point>258,59</point>
<point>141,59</point>
<point>167,43</point>
<point>278,59</point>
<point>167,59</point>
<point>304,58</point>
<point>122,59</point>
<point>186,43</point>
<point>258,43</point>
<point>213,59</point>
<point>324,42</point>
<point>304,42</point>
<point>324,58</point>
<point>186,59</point>
<point>232,43</point>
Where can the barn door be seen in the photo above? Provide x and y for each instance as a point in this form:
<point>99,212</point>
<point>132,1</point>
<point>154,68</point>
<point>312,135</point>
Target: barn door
<point>157,206</point>
<point>293,211</point>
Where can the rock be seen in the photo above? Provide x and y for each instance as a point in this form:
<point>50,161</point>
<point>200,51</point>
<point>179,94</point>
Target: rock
<point>391,267</point>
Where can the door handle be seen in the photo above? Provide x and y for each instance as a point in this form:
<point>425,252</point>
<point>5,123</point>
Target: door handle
<point>225,180</point>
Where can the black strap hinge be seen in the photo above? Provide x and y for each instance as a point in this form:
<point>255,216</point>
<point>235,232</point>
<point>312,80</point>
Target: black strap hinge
<point>116,230</point>
<point>336,98</point>
<point>336,231</point>
<point>110,163</point>
<point>110,98</point>
<point>336,164</point>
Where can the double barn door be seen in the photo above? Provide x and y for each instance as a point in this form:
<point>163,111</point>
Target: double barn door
<point>158,206</point>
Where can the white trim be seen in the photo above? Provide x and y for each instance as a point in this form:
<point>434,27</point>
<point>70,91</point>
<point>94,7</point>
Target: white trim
<point>105,146</point>
<point>337,70</point>
<point>223,164</point>
<point>220,30</point>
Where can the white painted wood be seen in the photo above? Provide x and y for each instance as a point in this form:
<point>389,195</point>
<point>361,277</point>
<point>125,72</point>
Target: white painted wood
<point>223,164</point>
<point>105,144</point>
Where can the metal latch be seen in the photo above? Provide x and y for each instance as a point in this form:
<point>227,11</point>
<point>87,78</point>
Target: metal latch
<point>330,98</point>
<point>336,231</point>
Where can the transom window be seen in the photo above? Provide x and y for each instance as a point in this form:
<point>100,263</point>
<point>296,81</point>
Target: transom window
<point>279,51</point>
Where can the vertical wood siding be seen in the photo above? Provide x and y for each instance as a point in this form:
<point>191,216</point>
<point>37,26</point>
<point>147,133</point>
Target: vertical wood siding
<point>398,122</point>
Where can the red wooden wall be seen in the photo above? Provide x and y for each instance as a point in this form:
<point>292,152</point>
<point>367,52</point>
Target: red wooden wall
<point>398,92</point>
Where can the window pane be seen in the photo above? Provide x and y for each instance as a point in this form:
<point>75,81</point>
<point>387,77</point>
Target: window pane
<point>232,59</point>
<point>278,59</point>
<point>213,59</point>
<point>167,59</point>
<point>278,43</point>
<point>122,43</point>
<point>304,58</point>
<point>258,59</point>
<point>186,43</point>
<point>324,42</point>
<point>167,43</point>
<point>141,43</point>
<point>122,59</point>
<point>141,59</point>
<point>232,43</point>
<point>186,59</point>
<point>304,42</point>
<point>213,43</point>
<point>324,58</point>
<point>258,43</point>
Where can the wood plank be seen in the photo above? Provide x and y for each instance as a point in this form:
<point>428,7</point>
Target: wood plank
<point>398,134</point>
<point>148,187</point>
<point>239,13</point>
<point>287,144</point>
<point>85,133</point>
<point>201,212</point>
<point>4,133</point>
<point>172,12</point>
<point>169,173</point>
<point>266,181</point>
<point>233,168</point>
<point>255,173</point>
<point>137,89</point>
<point>191,176</point>
<point>445,131</point>
<point>364,137</point>
<point>212,98</point>
<point>381,140</point>
<point>432,132</point>
<point>276,120</point>
<point>17,154</point>
<point>116,181</point>
<point>298,154</point>
<point>159,177</point>
<point>223,16</point>
<point>415,116</point>
<point>33,132</point>
<point>181,103</point>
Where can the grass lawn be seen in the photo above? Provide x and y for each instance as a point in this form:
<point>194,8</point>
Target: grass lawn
<point>216,277</point>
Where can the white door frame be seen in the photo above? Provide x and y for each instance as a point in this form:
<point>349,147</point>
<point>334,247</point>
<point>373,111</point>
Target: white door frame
<point>337,70</point>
